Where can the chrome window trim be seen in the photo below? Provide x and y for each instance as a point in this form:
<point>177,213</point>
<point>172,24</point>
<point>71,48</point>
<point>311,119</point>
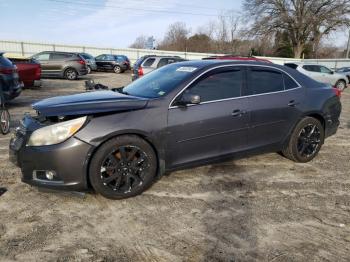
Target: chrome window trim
<point>232,98</point>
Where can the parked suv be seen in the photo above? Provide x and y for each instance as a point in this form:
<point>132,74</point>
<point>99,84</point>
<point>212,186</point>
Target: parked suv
<point>61,64</point>
<point>322,74</point>
<point>181,115</point>
<point>90,62</point>
<point>148,63</point>
<point>117,63</point>
<point>9,79</point>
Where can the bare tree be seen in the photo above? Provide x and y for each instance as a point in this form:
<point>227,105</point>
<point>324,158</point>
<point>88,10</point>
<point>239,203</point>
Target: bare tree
<point>303,20</point>
<point>140,42</point>
<point>176,37</point>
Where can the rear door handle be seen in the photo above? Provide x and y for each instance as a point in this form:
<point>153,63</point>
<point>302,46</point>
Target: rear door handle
<point>292,103</point>
<point>238,113</point>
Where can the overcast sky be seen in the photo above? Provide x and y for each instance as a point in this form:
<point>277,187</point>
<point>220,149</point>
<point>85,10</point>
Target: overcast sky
<point>108,23</point>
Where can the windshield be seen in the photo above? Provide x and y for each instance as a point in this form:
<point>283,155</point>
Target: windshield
<point>159,82</point>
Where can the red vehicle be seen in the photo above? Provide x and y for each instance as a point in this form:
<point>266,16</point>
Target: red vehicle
<point>29,71</point>
<point>241,58</point>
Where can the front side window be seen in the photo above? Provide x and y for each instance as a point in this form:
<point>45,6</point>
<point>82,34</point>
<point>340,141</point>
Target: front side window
<point>261,80</point>
<point>162,62</point>
<point>100,57</point>
<point>218,84</point>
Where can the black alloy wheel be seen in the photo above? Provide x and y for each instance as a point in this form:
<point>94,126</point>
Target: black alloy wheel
<point>122,167</point>
<point>305,141</point>
<point>309,140</point>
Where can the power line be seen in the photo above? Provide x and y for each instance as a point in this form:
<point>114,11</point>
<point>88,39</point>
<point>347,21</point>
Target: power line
<point>133,9</point>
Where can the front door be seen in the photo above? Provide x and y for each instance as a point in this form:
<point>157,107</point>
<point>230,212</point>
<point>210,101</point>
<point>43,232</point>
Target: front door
<point>215,127</point>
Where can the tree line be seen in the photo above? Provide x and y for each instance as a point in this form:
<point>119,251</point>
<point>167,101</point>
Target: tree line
<point>284,28</point>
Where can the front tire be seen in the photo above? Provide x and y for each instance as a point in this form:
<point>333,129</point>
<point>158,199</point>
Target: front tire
<point>89,70</point>
<point>340,85</point>
<point>306,140</point>
<point>123,167</point>
<point>71,74</point>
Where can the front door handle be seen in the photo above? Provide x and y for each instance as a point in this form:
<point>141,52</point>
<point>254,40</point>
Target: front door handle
<point>292,103</point>
<point>238,113</point>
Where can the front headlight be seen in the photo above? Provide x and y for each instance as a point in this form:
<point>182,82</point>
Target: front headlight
<point>56,133</point>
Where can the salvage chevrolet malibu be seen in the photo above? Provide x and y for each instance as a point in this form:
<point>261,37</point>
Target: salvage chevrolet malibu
<point>182,115</point>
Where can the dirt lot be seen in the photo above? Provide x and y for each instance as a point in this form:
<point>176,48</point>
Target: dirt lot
<point>263,208</point>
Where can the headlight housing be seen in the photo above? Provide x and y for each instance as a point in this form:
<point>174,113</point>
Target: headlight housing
<point>57,133</point>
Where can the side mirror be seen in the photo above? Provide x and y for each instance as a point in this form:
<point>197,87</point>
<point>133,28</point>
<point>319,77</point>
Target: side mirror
<point>332,72</point>
<point>188,99</point>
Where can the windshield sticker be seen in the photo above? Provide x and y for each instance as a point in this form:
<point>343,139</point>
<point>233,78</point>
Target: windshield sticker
<point>186,69</point>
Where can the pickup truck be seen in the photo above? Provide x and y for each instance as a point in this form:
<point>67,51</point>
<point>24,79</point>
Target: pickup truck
<point>28,70</point>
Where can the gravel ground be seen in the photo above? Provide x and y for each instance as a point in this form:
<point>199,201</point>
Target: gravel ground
<point>262,208</point>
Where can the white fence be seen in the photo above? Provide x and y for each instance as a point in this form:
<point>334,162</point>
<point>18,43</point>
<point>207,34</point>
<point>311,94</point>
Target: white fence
<point>27,49</point>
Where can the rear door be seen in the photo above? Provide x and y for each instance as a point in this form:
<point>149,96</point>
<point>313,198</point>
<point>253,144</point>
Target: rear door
<point>314,72</point>
<point>57,62</point>
<point>275,101</point>
<point>215,127</point>
<point>43,59</point>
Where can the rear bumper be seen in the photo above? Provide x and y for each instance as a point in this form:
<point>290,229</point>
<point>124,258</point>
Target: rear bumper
<point>82,71</point>
<point>13,91</point>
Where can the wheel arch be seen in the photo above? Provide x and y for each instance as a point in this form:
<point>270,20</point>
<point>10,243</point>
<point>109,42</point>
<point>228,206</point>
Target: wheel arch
<point>157,151</point>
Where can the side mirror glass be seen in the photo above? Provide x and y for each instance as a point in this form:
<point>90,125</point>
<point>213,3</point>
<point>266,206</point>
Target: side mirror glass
<point>188,99</point>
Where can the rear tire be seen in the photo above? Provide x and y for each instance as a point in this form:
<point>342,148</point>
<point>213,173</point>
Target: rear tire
<point>340,85</point>
<point>71,74</point>
<point>5,120</point>
<point>117,69</point>
<point>306,140</point>
<point>123,167</point>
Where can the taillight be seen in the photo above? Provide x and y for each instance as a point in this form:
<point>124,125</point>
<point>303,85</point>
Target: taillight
<point>337,92</point>
<point>140,71</point>
<point>38,72</point>
<point>7,71</point>
<point>82,62</point>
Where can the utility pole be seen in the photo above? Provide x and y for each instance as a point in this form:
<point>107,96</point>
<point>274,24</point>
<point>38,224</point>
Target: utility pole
<point>348,47</point>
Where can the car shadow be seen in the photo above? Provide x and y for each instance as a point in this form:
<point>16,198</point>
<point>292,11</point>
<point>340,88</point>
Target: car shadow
<point>230,230</point>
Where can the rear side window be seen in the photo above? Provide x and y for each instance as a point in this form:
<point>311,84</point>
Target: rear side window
<point>58,56</point>
<point>312,68</point>
<point>219,84</point>
<point>42,57</point>
<point>149,62</point>
<point>5,62</point>
<point>262,81</point>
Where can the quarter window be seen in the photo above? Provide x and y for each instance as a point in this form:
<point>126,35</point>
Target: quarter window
<point>289,83</point>
<point>218,85</point>
<point>262,81</point>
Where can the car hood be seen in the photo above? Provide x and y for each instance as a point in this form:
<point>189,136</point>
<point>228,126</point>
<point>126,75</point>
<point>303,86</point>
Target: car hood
<point>89,103</point>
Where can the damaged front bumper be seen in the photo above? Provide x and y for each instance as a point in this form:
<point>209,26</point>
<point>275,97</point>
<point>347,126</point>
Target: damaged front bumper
<point>61,166</point>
